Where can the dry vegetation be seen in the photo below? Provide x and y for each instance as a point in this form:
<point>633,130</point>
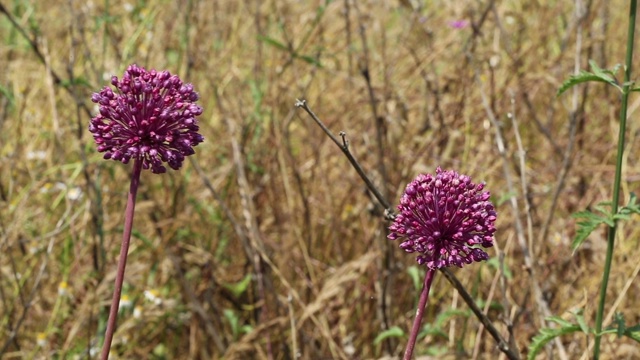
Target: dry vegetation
<point>277,201</point>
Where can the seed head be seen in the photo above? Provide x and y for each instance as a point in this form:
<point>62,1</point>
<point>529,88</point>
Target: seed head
<point>151,116</point>
<point>443,218</point>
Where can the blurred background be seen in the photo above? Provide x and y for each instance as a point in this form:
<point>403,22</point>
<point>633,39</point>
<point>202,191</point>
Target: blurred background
<point>267,244</point>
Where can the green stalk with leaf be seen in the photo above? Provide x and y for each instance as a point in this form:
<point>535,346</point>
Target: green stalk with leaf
<point>608,213</point>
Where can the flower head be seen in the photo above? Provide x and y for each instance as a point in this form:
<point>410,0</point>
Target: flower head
<point>443,218</point>
<point>459,24</point>
<point>151,117</point>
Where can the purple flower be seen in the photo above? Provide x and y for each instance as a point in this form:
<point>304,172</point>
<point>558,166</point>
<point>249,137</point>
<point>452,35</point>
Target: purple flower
<point>151,117</point>
<point>443,218</point>
<point>459,24</point>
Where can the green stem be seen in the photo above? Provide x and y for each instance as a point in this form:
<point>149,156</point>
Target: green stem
<point>611,236</point>
<point>122,261</point>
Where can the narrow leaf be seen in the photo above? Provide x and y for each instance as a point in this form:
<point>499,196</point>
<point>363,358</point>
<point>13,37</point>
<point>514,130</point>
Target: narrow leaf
<point>240,287</point>
<point>310,60</point>
<point>273,42</point>
<point>416,277</point>
<point>448,314</point>
<point>495,262</point>
<point>394,331</point>
<point>432,330</point>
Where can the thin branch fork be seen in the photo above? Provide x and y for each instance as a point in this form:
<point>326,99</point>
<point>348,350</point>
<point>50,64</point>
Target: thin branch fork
<point>344,146</point>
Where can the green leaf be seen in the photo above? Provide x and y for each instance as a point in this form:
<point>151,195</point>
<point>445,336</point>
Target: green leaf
<point>590,222</point>
<point>495,263</point>
<point>621,217</point>
<point>582,77</point>
<point>76,81</point>
<point>437,351</point>
<point>601,208</point>
<point>632,207</point>
<point>608,74</point>
<point>547,334</point>
<point>394,331</point>
<point>581,322</point>
<point>311,60</point>
<point>273,42</point>
<point>433,330</point>
<point>238,288</point>
<point>436,328</point>
<point>245,329</point>
<point>613,71</point>
<point>598,75</point>
<point>416,275</point>
<point>633,333</point>
<point>560,321</point>
<point>504,197</point>
<point>8,93</point>
<point>448,314</point>
<point>233,320</point>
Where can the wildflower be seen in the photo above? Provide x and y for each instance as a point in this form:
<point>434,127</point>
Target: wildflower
<point>151,116</point>
<point>444,218</point>
<point>459,24</point>
<point>36,155</point>
<point>153,296</point>
<point>125,302</point>
<point>74,193</point>
<point>41,339</point>
<point>63,288</point>
<point>137,312</point>
<point>47,187</point>
<point>93,351</point>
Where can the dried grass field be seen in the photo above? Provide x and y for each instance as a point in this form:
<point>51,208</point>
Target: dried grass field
<point>267,243</point>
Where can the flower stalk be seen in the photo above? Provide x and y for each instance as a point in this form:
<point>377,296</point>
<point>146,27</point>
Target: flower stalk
<point>122,260</point>
<point>422,304</point>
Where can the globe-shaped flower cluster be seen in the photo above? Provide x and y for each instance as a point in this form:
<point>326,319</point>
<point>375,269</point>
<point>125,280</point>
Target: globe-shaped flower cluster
<point>151,117</point>
<point>444,218</point>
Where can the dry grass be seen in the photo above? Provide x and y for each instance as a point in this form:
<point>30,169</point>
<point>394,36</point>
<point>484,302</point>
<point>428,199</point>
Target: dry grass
<point>325,280</point>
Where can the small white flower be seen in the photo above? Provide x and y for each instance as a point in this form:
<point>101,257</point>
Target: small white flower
<point>153,296</point>
<point>125,302</point>
<point>34,249</point>
<point>36,155</point>
<point>47,187</point>
<point>137,312</point>
<point>94,351</point>
<point>41,339</point>
<point>75,193</point>
<point>63,288</point>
